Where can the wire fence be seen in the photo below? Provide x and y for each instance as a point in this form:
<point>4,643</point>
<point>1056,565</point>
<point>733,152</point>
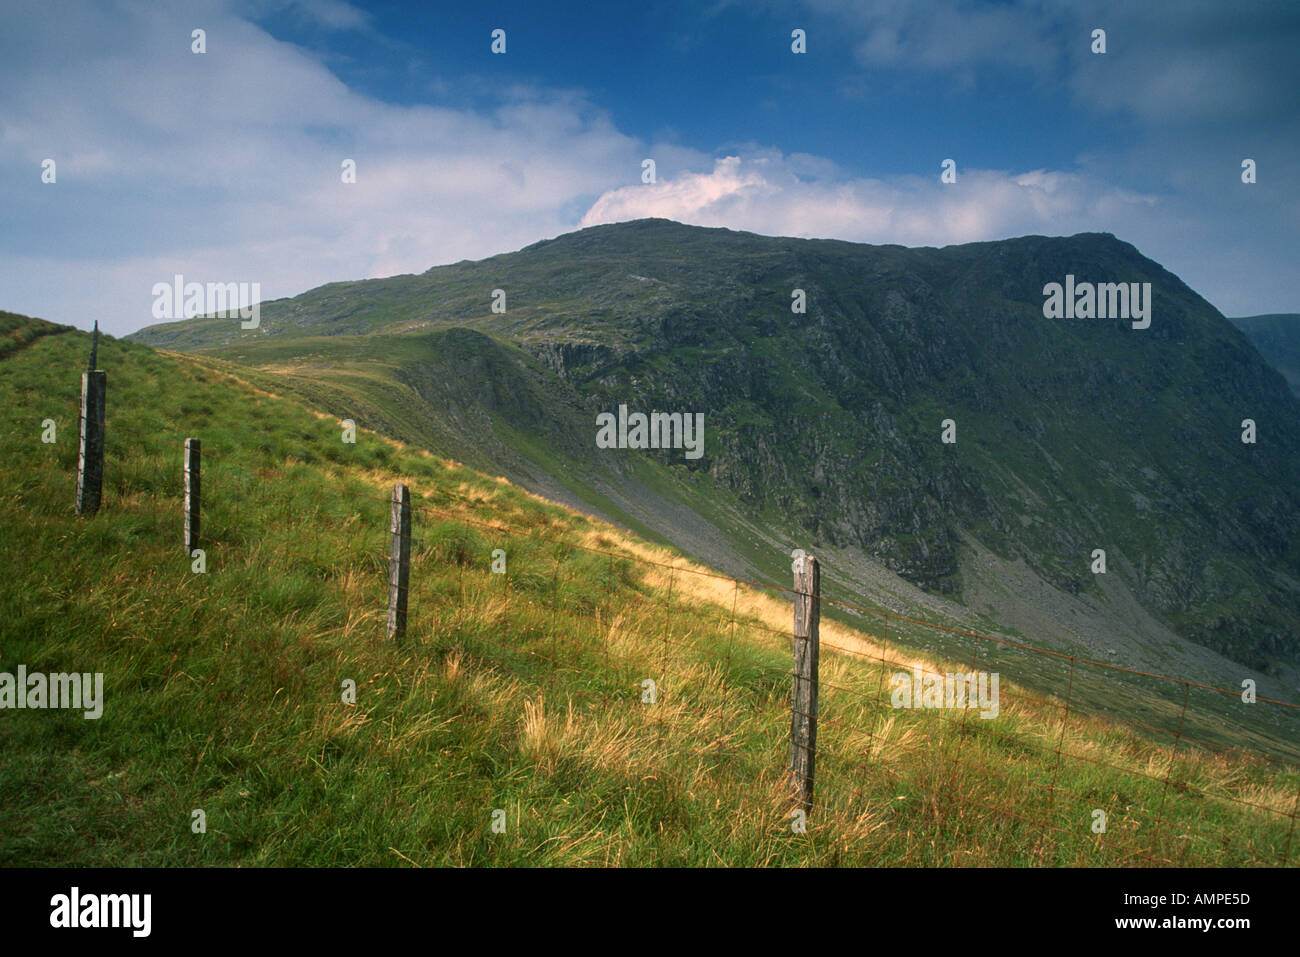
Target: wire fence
<point>958,772</point>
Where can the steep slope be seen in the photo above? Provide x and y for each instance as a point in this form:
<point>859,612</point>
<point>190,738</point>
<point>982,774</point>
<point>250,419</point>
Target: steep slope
<point>516,699</point>
<point>1277,337</point>
<point>1072,435</point>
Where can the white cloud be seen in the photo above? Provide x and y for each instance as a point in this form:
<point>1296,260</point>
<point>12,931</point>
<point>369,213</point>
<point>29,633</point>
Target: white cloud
<point>763,194</point>
<point>332,14</point>
<point>226,166</point>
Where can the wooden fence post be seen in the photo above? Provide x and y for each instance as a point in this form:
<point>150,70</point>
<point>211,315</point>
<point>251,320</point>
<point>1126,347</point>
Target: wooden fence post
<point>803,716</point>
<point>399,561</point>
<point>192,489</point>
<point>90,456</point>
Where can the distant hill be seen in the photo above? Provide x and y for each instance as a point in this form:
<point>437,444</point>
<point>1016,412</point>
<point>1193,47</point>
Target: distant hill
<point>1277,337</point>
<point>824,428</point>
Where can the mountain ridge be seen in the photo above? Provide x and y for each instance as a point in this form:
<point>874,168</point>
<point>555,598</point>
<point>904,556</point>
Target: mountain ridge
<point>1071,435</point>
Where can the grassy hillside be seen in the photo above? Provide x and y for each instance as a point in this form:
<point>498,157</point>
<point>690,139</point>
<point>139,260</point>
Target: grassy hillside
<point>520,692</point>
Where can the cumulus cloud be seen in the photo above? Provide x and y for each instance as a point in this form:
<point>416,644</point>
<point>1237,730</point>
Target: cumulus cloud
<point>768,193</point>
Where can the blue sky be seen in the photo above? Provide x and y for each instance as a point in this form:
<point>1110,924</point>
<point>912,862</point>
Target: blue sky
<point>708,77</point>
<point>225,166</point>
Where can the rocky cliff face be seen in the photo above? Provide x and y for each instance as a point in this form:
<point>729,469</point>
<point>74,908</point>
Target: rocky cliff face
<point>1072,435</point>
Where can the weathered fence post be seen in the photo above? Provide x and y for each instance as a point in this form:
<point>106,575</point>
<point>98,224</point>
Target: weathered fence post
<point>193,485</point>
<point>399,561</point>
<point>90,457</point>
<point>803,716</point>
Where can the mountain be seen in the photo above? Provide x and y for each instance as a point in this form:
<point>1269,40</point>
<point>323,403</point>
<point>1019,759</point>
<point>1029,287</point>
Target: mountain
<point>1277,337</point>
<point>824,428</point>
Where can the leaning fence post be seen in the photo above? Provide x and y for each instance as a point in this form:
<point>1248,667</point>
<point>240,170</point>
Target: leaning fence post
<point>90,456</point>
<point>399,561</point>
<point>803,716</point>
<point>192,489</point>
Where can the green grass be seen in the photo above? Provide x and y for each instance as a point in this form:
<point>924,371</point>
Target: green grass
<point>519,692</point>
<point>17,332</point>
